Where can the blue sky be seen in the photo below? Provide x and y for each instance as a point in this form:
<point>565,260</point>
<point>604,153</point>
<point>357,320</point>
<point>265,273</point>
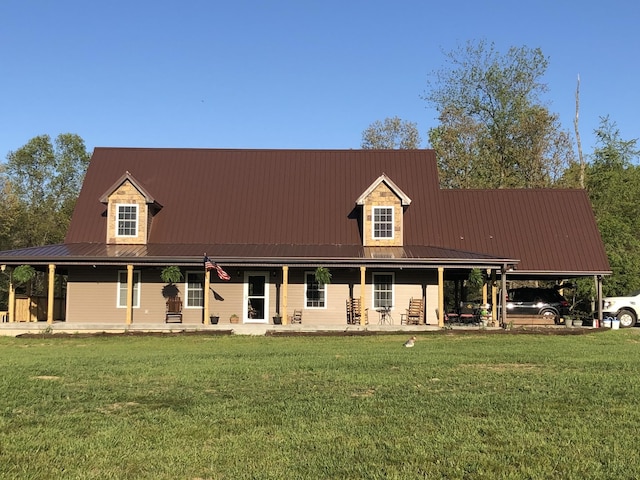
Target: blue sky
<point>287,73</point>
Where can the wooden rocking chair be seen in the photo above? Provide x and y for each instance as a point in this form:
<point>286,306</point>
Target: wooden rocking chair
<point>174,310</point>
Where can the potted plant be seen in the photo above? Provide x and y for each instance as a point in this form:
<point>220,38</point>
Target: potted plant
<point>23,274</point>
<point>171,274</point>
<point>323,276</point>
<point>213,319</point>
<point>234,319</point>
<point>277,319</point>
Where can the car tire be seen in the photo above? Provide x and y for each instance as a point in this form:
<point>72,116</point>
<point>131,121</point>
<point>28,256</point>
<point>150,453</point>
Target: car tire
<point>549,315</point>
<point>627,318</point>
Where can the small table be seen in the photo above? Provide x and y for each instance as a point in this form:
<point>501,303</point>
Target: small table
<point>385,316</point>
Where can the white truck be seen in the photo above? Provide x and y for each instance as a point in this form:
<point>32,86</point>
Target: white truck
<point>626,309</point>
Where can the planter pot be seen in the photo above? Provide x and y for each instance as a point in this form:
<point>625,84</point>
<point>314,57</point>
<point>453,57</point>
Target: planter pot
<point>213,319</point>
<point>277,320</point>
<point>234,320</point>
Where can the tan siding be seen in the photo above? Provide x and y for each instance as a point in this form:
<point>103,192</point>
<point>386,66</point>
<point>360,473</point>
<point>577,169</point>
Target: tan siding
<point>92,297</point>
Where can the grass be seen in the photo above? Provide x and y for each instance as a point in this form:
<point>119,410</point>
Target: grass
<point>229,407</point>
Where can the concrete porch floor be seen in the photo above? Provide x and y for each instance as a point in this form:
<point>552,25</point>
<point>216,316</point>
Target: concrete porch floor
<point>21,328</point>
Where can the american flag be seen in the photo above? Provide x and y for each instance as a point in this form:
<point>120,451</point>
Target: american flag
<point>209,265</point>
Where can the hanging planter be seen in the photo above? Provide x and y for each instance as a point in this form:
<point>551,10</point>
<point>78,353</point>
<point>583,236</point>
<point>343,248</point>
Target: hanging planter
<point>23,274</point>
<point>323,276</point>
<point>171,274</point>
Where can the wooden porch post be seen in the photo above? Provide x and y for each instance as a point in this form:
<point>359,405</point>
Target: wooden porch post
<point>363,282</point>
<point>503,296</point>
<point>129,294</point>
<point>285,293</point>
<point>441,311</point>
<point>485,289</point>
<point>50,293</point>
<point>598,279</point>
<point>207,286</point>
<point>12,301</point>
<point>494,297</point>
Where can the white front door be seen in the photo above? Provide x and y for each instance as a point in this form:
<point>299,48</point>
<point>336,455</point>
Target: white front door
<point>256,297</point>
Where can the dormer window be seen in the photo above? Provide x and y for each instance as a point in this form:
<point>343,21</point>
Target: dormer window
<point>383,205</point>
<point>130,210</point>
<point>382,222</point>
<point>127,221</point>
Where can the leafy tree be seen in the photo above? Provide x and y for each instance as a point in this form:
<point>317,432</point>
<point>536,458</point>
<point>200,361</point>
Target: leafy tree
<point>613,183</point>
<point>43,181</point>
<point>392,133</point>
<point>494,131</point>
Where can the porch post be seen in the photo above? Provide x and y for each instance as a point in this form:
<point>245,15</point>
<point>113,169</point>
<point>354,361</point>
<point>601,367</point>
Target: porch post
<point>441,297</point>
<point>484,289</point>
<point>285,293</point>
<point>598,279</point>
<point>503,296</point>
<point>207,286</point>
<point>50,295</point>
<point>494,297</point>
<point>129,294</point>
<point>363,282</point>
<point>12,301</point>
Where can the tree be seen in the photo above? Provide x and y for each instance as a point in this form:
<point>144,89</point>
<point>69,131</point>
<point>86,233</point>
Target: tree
<point>494,131</point>
<point>393,133</point>
<point>613,183</point>
<point>43,180</point>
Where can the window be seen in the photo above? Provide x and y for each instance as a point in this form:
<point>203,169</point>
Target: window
<point>382,222</point>
<point>127,221</point>
<point>122,289</point>
<point>195,289</point>
<point>382,290</point>
<point>315,293</point>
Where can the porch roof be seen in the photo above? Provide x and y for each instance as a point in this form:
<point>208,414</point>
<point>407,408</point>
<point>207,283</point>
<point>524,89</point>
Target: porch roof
<point>251,255</point>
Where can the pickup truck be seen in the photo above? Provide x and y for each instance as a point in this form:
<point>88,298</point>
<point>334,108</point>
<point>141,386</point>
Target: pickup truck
<point>626,309</point>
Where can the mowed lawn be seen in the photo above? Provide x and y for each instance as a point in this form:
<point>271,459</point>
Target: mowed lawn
<point>355,407</point>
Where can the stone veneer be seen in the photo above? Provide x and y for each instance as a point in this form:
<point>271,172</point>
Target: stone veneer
<point>127,194</point>
<point>382,196</point>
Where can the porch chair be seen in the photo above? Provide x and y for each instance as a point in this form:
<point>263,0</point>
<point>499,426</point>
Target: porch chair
<point>174,310</point>
<point>468,314</point>
<point>296,317</point>
<point>415,312</point>
<point>354,314</point>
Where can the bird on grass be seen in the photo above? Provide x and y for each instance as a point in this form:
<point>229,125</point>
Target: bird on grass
<point>410,343</point>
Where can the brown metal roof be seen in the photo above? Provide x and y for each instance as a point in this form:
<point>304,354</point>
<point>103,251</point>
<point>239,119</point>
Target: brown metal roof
<point>304,197</point>
<point>191,254</point>
<point>548,230</point>
<point>300,205</point>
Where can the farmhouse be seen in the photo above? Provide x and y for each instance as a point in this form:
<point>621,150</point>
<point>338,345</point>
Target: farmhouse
<point>376,221</point>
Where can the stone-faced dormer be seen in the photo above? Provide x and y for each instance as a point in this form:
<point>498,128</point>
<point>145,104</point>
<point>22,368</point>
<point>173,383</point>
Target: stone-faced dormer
<point>130,209</point>
<point>383,205</point>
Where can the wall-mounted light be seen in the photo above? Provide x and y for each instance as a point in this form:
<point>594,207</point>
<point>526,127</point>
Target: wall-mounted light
<point>3,268</point>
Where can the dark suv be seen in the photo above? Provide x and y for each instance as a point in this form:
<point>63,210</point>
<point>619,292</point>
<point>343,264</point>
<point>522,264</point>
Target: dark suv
<point>538,301</point>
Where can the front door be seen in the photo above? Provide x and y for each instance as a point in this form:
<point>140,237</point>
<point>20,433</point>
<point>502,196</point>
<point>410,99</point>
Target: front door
<point>256,297</point>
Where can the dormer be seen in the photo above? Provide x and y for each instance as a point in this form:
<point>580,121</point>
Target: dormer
<point>130,209</point>
<point>383,205</point>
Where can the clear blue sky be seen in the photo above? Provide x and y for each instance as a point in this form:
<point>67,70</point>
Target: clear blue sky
<point>287,73</point>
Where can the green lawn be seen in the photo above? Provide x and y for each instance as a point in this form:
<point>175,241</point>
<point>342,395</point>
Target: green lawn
<point>213,407</point>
